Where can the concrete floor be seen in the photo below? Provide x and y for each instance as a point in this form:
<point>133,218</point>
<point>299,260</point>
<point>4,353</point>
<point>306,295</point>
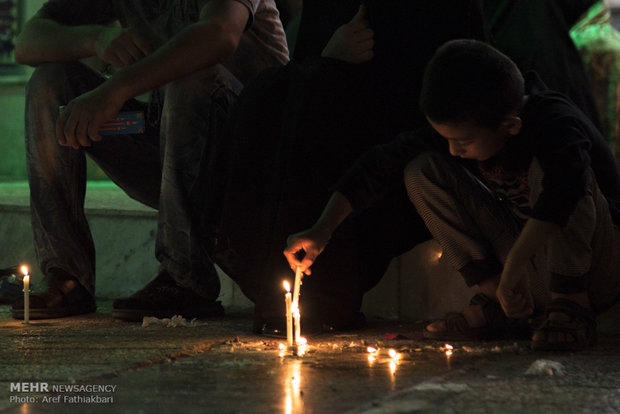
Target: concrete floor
<point>217,366</point>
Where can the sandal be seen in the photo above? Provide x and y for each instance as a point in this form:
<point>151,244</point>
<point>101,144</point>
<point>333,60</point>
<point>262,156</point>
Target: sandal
<point>498,326</point>
<point>581,327</point>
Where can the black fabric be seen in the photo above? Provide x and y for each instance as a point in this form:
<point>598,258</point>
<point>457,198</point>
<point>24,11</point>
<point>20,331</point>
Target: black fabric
<point>568,284</point>
<point>296,130</point>
<point>535,35</point>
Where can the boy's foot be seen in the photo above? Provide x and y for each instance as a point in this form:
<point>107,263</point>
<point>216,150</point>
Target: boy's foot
<point>65,296</point>
<point>567,326</point>
<point>163,298</point>
<point>482,319</point>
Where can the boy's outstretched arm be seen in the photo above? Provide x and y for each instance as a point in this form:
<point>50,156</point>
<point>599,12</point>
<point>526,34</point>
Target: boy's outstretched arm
<point>514,290</point>
<point>313,240</point>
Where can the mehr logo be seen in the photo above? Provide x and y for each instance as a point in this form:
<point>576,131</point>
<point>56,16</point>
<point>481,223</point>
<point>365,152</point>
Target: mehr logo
<point>29,387</point>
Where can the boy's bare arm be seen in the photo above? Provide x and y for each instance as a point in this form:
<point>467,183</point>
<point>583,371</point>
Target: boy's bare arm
<point>513,291</point>
<point>313,240</point>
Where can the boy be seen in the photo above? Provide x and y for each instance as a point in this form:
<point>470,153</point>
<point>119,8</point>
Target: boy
<point>517,186</point>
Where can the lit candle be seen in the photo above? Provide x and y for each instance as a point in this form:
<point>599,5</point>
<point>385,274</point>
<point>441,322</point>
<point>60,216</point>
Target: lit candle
<point>301,346</point>
<point>26,294</point>
<point>289,314</point>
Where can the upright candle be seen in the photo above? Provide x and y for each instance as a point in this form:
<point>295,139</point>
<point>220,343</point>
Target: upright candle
<point>26,294</point>
<point>297,286</point>
<point>297,318</point>
<point>289,314</point>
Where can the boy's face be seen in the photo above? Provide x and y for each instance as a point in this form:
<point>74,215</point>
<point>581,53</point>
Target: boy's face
<point>470,141</point>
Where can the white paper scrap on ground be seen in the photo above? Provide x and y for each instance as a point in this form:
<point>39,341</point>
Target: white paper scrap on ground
<point>545,367</point>
<point>175,321</point>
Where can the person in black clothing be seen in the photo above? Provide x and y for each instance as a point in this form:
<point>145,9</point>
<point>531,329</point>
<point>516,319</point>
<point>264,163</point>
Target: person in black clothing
<point>516,184</point>
<point>323,112</point>
<point>536,36</point>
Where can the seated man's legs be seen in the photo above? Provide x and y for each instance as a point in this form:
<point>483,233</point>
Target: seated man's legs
<point>57,178</point>
<point>476,231</point>
<point>193,117</point>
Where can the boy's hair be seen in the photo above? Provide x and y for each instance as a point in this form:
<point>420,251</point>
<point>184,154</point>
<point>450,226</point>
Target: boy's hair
<point>468,80</point>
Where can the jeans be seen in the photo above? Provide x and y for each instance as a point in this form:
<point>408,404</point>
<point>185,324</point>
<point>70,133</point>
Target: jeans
<point>170,167</point>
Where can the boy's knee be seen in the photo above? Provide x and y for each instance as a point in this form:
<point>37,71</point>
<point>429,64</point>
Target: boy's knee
<point>426,165</point>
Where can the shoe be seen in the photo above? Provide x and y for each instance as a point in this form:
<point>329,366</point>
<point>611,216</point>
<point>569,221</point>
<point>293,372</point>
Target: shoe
<point>65,296</point>
<point>163,298</point>
<point>581,327</point>
<point>498,326</point>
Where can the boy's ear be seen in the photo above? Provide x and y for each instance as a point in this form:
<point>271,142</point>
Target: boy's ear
<point>512,124</point>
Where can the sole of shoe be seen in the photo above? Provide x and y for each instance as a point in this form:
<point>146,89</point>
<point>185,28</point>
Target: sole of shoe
<point>55,313</point>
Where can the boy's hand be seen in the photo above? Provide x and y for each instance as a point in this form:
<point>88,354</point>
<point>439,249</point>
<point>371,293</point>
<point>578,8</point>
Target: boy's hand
<point>120,46</point>
<point>78,124</point>
<point>312,242</point>
<point>514,292</point>
<point>352,42</point>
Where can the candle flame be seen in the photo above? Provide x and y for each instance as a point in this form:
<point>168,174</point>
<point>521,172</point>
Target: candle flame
<point>392,367</point>
<point>371,358</point>
<point>282,346</point>
<point>24,270</point>
<point>287,286</point>
<point>372,350</point>
<point>392,353</point>
<point>448,349</point>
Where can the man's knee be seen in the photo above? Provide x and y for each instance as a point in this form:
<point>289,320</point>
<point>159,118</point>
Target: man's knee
<point>46,78</point>
<point>61,80</point>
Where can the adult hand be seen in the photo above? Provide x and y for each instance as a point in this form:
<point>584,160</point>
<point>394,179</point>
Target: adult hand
<point>514,292</point>
<point>311,241</point>
<point>79,122</point>
<point>352,42</point>
<point>121,46</point>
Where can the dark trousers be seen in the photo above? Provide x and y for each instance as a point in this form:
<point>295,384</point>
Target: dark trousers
<point>168,168</point>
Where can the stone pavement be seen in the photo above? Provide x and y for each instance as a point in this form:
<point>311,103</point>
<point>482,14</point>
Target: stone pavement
<point>95,364</point>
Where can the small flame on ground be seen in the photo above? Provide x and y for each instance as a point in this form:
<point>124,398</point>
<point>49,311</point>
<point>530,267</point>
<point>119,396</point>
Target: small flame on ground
<point>393,354</point>
<point>392,367</point>
<point>372,350</point>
